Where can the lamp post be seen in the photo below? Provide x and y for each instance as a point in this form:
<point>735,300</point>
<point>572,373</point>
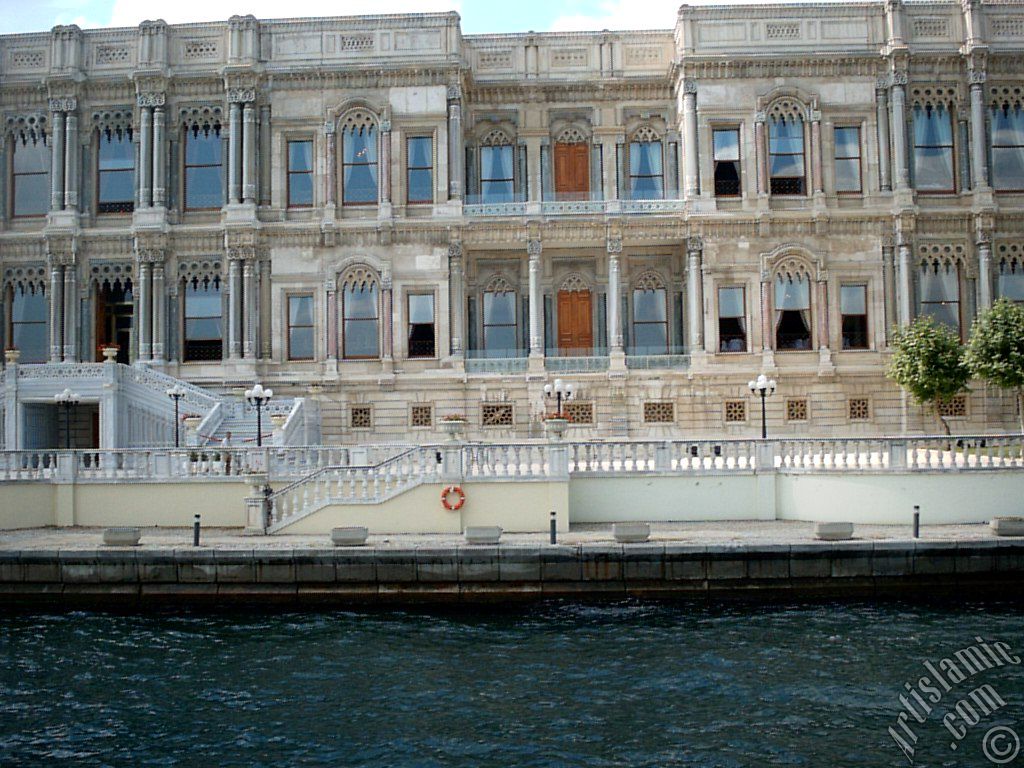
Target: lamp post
<point>561,390</point>
<point>176,393</point>
<point>68,399</point>
<point>258,397</point>
<point>763,386</point>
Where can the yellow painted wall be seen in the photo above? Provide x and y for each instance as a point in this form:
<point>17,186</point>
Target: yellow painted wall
<point>26,505</point>
<point>667,498</point>
<point>221,505</point>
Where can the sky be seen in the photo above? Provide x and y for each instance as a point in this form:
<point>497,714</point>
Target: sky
<point>478,16</point>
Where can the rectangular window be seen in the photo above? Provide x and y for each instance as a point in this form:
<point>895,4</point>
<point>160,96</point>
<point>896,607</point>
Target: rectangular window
<point>116,173</point>
<point>792,312</point>
<point>29,323</point>
<point>31,177</point>
<point>650,322</point>
<point>646,174</point>
<point>204,171</point>
<point>732,320</point>
<point>500,324</point>
<point>853,307</point>
<point>940,293</point>
<point>1011,281</point>
<point>360,308</point>
<point>300,174</point>
<point>1008,147</point>
<point>419,169</point>
<point>727,162</point>
<point>497,177</point>
<point>933,149</point>
<point>848,172</point>
<point>203,320</point>
<point>786,155</point>
<point>421,325</point>
<point>359,165</point>
<point>300,327</point>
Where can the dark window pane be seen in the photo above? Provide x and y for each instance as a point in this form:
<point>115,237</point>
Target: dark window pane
<point>732,335</point>
<point>421,185</point>
<point>300,343</point>
<point>300,189</point>
<point>855,332</point>
<point>117,186</point>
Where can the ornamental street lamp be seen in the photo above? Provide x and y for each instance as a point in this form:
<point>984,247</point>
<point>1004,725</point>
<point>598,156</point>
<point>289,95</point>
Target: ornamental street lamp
<point>258,397</point>
<point>176,393</point>
<point>561,390</point>
<point>763,386</point>
<point>68,399</point>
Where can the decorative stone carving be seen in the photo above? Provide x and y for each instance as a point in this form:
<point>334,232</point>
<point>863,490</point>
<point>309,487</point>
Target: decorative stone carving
<point>455,250</point>
<point>689,86</point>
<point>241,95</point>
<point>534,248</point>
<point>695,243</point>
<point>454,92</point>
<point>151,99</point>
<point>615,245</point>
<point>63,104</point>
<point>899,78</point>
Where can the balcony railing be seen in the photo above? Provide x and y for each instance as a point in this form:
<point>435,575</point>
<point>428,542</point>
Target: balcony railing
<point>496,360</point>
<point>646,358</point>
<point>569,204</point>
<point>495,205</point>
<point>589,360</point>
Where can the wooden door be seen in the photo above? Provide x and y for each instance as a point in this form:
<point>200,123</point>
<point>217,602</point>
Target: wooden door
<point>575,329</point>
<point>572,171</point>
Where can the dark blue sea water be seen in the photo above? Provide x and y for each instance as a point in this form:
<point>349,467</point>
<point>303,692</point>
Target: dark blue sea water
<point>562,684</point>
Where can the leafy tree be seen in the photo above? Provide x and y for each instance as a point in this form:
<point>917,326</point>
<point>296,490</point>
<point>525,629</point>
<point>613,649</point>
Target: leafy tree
<point>928,362</point>
<point>995,352</point>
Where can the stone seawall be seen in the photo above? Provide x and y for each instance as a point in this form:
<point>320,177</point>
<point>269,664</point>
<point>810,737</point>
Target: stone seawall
<point>112,576</point>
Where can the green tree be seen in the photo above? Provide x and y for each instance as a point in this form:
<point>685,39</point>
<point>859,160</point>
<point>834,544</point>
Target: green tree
<point>928,362</point>
<point>995,352</point>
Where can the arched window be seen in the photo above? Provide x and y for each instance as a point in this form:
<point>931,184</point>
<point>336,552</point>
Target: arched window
<point>646,166</point>
<point>933,149</point>
<point>114,313</point>
<point>1011,279</point>
<point>204,169</point>
<point>650,316</point>
<point>360,312</point>
<point>359,159</point>
<point>204,331</point>
<point>500,319</point>
<point>1008,146</point>
<point>27,328</point>
<point>115,185</point>
<point>939,289</point>
<point>792,308</point>
<point>786,166</point>
<point>497,168</point>
<point>31,174</point>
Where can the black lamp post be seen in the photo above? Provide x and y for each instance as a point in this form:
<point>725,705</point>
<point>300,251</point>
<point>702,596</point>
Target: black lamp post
<point>763,386</point>
<point>68,399</point>
<point>258,397</point>
<point>176,393</point>
<point>560,391</point>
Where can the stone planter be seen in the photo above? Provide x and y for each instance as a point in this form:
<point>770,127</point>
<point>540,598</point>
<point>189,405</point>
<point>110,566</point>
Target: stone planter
<point>482,534</point>
<point>12,356</point>
<point>121,537</point>
<point>351,536</point>
<point>555,428</point>
<point>631,533</point>
<point>110,354</point>
<point>1007,526</point>
<point>833,531</point>
<point>454,428</point>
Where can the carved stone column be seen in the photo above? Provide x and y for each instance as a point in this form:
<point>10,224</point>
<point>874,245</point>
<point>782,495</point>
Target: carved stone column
<point>761,146</point>
<point>385,165</point>
<point>57,158</point>
<point>331,287</point>
<point>884,161</point>
<point>234,308</point>
<point>332,166</point>
<point>690,155</point>
<point>265,166</point>
<point>456,153</point>
<point>70,314</point>
<point>159,313</point>
<point>824,337</point>
<point>819,177</point>
<point>159,158</point>
<point>146,157</point>
<point>387,297</point>
<point>984,245</point>
<point>766,314</point>
<point>899,131</point>
<point>905,286</point>
<point>249,153</point>
<point>71,161</point>
<point>250,306</point>
<point>234,152</point>
<point>979,160</point>
<point>456,296</point>
<point>56,311</point>
<point>266,322</point>
<point>889,286</point>
<point>145,311</point>
<point>694,297</point>
<point>533,250</point>
<point>615,344</point>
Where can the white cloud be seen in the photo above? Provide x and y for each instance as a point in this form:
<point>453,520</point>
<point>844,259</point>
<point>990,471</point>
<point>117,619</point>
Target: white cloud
<point>127,13</point>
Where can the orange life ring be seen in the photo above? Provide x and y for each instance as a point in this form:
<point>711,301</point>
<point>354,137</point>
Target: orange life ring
<point>448,492</point>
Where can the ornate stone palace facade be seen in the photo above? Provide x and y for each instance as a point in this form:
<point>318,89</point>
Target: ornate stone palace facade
<point>400,223</point>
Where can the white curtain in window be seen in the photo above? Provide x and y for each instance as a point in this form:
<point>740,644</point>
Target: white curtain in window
<point>1008,147</point>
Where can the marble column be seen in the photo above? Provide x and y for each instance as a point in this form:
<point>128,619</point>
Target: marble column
<point>884,161</point>
<point>250,306</point>
<point>614,296</point>
<point>332,321</point>
<point>816,169</point>
<point>761,146</point>
<point>70,314</point>
<point>456,297</point>
<point>159,313</point>
<point>146,156</point>
<point>767,324</point>
<point>899,132</point>
<point>384,167</point>
<point>234,309</point>
<point>533,250</point>
<point>979,161</point>
<point>824,340</point>
<point>145,311</point>
<point>265,166</point>
<point>387,296</point>
<point>456,153</point>
<point>57,163</point>
<point>71,161</point>
<point>889,288</point>
<point>249,153</point>
<point>159,154</point>
<point>56,312</point>
<point>905,285</point>
<point>234,152</point>
<point>694,299</point>
<point>332,160</point>
<point>265,328</point>
<point>984,274</point>
<point>690,155</point>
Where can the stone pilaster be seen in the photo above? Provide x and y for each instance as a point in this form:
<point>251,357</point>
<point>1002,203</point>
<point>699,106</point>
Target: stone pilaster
<point>533,250</point>
<point>456,152</point>
<point>694,295</point>
<point>690,153</point>
<point>457,296</point>
<point>884,158</point>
